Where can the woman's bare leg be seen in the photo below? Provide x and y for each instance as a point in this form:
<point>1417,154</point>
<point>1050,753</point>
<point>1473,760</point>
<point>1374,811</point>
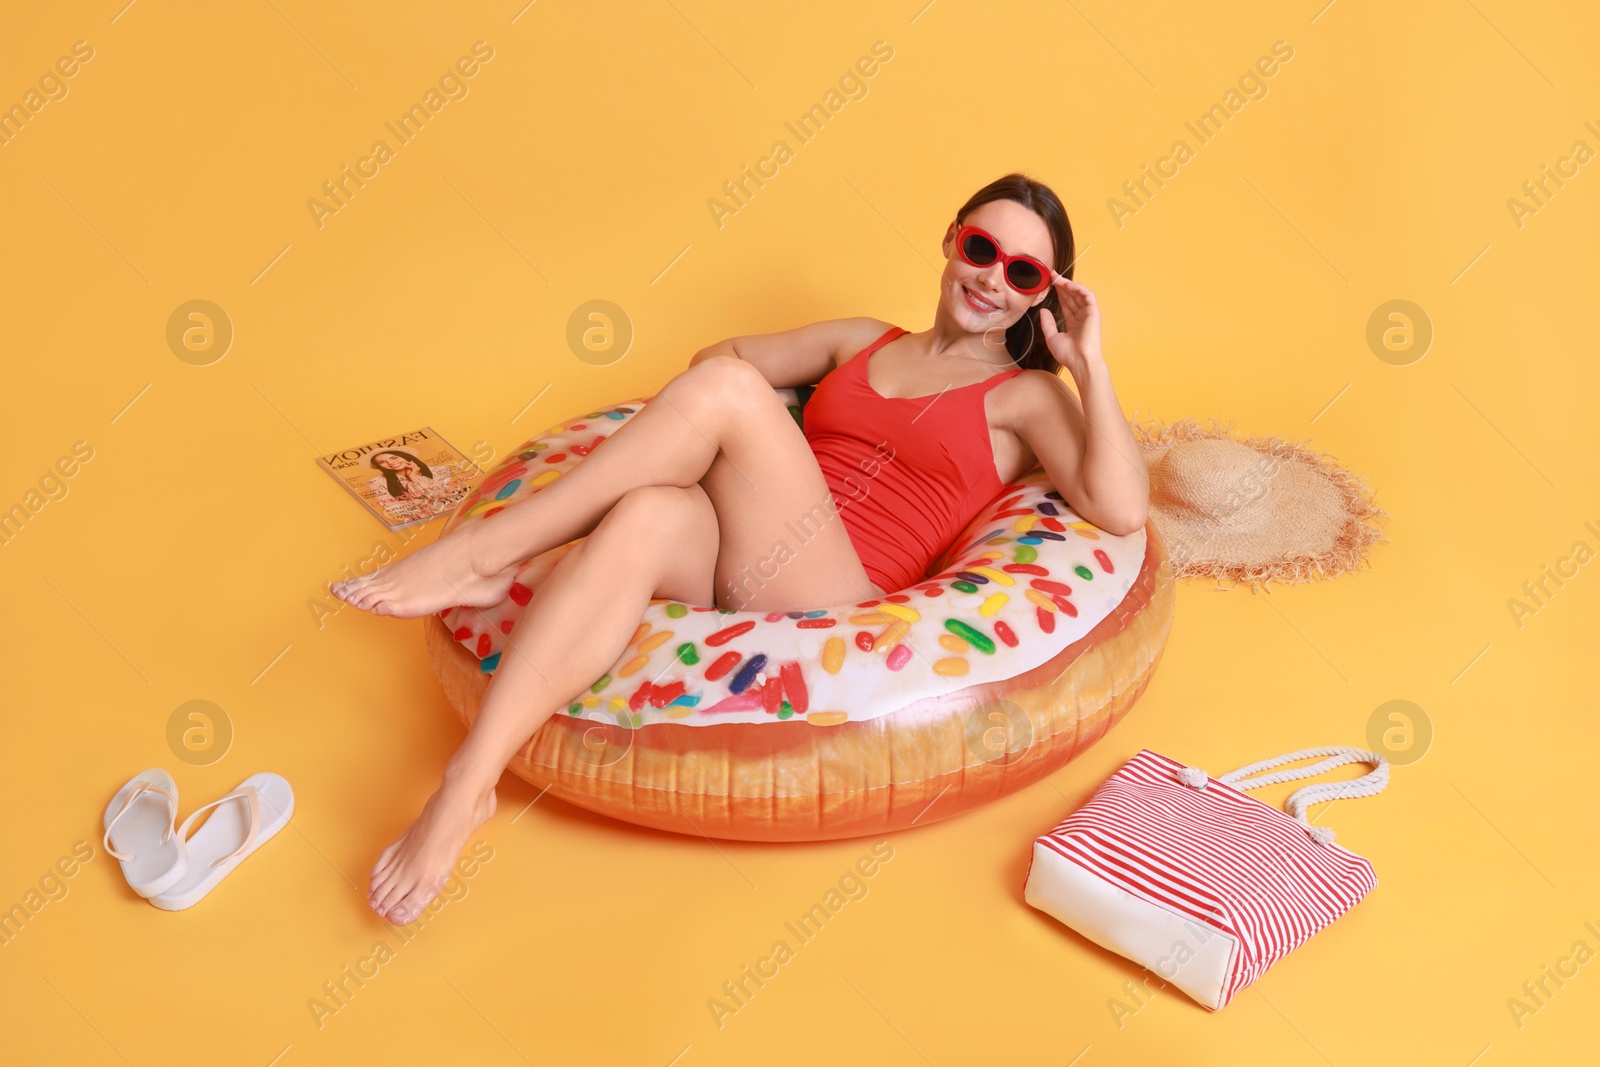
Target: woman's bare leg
<point>656,541</point>
<point>721,543</point>
<point>719,410</point>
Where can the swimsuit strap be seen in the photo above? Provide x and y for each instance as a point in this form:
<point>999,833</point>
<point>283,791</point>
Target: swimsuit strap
<point>1002,376</point>
<point>888,335</point>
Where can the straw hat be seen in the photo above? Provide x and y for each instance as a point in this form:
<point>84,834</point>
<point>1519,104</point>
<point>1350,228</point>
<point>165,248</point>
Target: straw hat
<point>1254,510</point>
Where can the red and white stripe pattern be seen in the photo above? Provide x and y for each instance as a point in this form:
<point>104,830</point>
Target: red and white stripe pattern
<point>1216,856</point>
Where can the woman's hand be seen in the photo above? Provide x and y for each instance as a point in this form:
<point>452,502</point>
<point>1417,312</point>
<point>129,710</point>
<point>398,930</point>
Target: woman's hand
<point>1078,345</point>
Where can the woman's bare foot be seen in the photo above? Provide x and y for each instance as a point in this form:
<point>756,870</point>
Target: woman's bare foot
<point>412,871</point>
<point>451,572</point>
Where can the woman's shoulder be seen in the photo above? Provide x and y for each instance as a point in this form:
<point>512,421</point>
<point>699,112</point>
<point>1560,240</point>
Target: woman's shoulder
<point>1034,382</point>
<point>856,334</point>
<point>1029,392</point>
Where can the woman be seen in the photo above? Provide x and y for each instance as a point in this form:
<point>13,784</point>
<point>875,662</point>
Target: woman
<point>708,478</point>
<point>403,473</point>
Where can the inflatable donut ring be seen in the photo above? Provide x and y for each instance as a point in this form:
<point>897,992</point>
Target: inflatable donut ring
<point>1030,638</point>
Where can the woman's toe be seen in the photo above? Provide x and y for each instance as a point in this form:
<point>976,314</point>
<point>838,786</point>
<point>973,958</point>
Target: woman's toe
<point>386,855</point>
<point>391,894</point>
<point>386,890</point>
<point>414,902</point>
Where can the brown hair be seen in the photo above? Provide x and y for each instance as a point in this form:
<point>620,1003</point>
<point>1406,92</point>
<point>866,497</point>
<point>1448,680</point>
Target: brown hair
<point>1024,339</point>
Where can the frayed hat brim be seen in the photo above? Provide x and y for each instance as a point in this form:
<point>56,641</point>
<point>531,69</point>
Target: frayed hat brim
<point>1346,550</point>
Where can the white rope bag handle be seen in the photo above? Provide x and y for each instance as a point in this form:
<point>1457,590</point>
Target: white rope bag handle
<point>1298,801</point>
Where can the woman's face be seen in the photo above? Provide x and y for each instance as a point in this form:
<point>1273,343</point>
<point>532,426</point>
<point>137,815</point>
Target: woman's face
<point>389,461</point>
<point>978,298</point>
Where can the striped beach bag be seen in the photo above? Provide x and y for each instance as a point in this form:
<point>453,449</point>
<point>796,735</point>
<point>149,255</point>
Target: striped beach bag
<point>1196,880</point>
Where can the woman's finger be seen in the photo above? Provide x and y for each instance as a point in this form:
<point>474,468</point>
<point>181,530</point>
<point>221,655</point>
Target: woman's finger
<point>1075,297</point>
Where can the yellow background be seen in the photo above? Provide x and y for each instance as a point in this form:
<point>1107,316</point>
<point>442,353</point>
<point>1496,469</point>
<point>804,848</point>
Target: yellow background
<point>181,562</point>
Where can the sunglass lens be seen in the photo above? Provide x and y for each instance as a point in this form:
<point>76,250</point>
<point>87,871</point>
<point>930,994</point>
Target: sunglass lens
<point>979,250</point>
<point>1024,275</point>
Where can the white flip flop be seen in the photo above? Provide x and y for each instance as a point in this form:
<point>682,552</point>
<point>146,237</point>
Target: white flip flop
<point>244,819</point>
<point>142,813</point>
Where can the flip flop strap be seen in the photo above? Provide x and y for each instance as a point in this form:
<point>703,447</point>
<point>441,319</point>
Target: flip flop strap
<point>144,786</point>
<point>252,800</point>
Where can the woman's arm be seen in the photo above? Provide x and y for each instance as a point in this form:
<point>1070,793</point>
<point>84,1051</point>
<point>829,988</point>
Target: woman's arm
<point>1088,450</point>
<point>800,356</point>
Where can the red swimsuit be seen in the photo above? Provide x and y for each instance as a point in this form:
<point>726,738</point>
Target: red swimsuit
<point>906,473</point>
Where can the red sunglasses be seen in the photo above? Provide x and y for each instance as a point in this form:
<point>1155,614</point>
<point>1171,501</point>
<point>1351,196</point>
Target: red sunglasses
<point>1023,273</point>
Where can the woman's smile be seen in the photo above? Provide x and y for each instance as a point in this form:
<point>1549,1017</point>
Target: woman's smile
<point>978,303</point>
